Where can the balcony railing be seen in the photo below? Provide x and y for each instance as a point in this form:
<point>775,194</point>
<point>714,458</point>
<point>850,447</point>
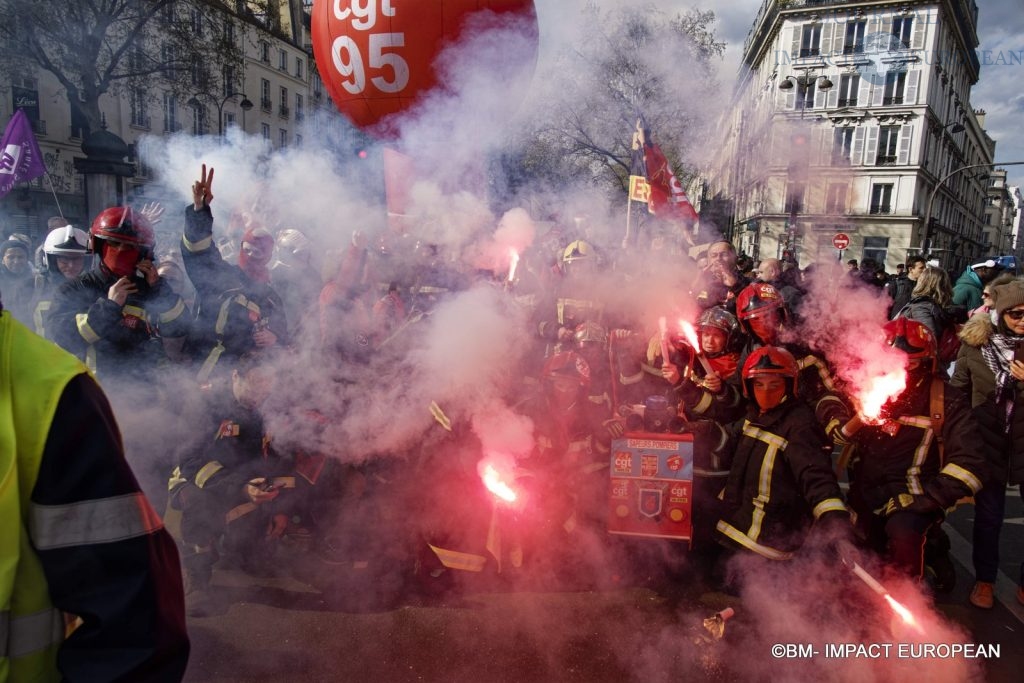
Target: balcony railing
<point>880,209</point>
<point>885,160</point>
<point>892,100</point>
<point>848,102</point>
<point>38,126</point>
<point>283,111</point>
<point>266,104</point>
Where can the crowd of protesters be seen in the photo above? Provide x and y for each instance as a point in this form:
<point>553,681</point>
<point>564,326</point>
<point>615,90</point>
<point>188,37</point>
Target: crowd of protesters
<point>216,318</point>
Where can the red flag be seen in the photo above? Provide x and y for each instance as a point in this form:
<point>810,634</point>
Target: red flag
<point>666,198</point>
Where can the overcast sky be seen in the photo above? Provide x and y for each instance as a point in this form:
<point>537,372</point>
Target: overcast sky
<point>1000,90</point>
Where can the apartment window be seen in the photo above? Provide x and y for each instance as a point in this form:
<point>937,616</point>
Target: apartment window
<point>229,119</point>
<point>229,81</point>
<point>170,113</point>
<point>895,85</point>
<point>835,198</point>
<point>138,108</point>
<point>317,86</point>
<point>888,137</point>
<point>299,107</point>
<point>168,55</point>
<point>136,58</point>
<point>282,136</point>
<point>197,22</point>
<point>853,44</point>
<point>298,67</point>
<point>229,32</point>
<point>265,128</point>
<point>810,40</point>
<point>265,51</point>
<point>881,198</point>
<point>902,29</point>
<point>198,120</point>
<point>283,111</point>
<point>849,85</point>
<point>842,145</point>
<point>198,76</point>
<point>805,100</point>
<point>282,60</point>
<point>795,198</point>
<point>876,248</point>
<point>298,140</point>
<point>265,102</point>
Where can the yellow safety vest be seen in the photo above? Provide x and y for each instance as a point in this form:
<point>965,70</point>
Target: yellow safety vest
<point>31,629</point>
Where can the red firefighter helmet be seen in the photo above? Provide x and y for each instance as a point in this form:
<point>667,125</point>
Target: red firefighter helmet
<point>913,338</point>
<point>721,319</point>
<point>567,365</point>
<point>124,225</point>
<point>757,299</point>
<point>770,360</point>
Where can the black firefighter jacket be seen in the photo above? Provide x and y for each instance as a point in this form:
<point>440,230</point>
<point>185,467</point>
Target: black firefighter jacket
<point>110,338</point>
<point>781,479</point>
<point>902,454</point>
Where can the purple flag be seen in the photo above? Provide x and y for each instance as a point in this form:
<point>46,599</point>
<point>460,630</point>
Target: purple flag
<point>20,158</point>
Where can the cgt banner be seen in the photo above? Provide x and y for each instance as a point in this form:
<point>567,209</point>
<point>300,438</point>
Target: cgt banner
<point>651,489</point>
<point>20,158</point>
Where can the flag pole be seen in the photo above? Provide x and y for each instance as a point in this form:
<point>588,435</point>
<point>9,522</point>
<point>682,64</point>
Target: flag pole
<point>629,221</point>
<point>53,190</point>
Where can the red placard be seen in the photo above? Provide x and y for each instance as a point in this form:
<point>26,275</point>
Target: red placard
<point>841,241</point>
<point>377,57</point>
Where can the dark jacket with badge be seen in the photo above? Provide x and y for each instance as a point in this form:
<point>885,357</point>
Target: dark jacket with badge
<point>111,339</point>
<point>230,305</point>
<point>901,455</point>
<point>780,480</point>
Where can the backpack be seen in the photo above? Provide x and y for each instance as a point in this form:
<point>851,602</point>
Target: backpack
<point>949,343</point>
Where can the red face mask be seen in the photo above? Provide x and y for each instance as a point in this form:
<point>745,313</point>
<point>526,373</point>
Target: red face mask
<point>121,262</point>
<point>765,327</point>
<point>769,392</point>
<point>257,248</point>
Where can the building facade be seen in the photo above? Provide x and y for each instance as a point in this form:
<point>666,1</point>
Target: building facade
<point>273,94</point>
<point>1000,216</point>
<point>854,118</point>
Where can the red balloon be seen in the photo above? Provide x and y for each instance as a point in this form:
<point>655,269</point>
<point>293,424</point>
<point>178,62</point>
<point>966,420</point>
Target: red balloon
<point>376,57</point>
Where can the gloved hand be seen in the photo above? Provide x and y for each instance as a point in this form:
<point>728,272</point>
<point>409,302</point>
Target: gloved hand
<point>833,532</point>
<point>909,502</point>
<point>261,491</point>
<point>615,427</point>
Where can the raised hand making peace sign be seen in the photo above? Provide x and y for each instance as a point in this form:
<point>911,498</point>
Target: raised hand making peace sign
<point>202,190</point>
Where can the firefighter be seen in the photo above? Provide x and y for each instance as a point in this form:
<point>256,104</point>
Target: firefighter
<point>712,395</point>
<point>780,480</point>
<point>762,311</point>
<point>923,457</point>
<point>64,258</point>
<point>238,310</point>
<point>574,302</point>
<point>227,483</point>
<point>112,317</point>
<point>79,536</point>
<point>720,282</point>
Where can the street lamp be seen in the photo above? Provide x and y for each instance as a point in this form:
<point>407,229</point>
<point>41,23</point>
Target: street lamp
<point>802,83</point>
<point>245,105</point>
<point>925,229</point>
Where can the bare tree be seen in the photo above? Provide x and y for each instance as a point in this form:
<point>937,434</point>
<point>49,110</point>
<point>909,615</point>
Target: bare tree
<point>95,47</point>
<point>627,61</point>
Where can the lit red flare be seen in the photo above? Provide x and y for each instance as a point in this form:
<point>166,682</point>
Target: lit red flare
<point>496,485</point>
<point>690,332</point>
<point>663,333</point>
<point>878,391</point>
<point>512,264</point>
<point>905,614</point>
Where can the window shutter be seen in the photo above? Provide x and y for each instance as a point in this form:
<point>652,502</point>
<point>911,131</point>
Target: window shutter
<point>864,92</point>
<point>910,94</point>
<point>838,37</point>
<point>833,95</point>
<point>917,42</point>
<point>826,39</point>
<point>820,96</point>
<point>795,43</point>
<point>871,147</point>
<point>906,137</point>
<point>822,148</point>
<point>857,156</point>
<point>877,90</point>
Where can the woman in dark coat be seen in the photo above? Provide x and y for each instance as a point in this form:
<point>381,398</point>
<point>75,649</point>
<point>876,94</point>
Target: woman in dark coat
<point>989,368</point>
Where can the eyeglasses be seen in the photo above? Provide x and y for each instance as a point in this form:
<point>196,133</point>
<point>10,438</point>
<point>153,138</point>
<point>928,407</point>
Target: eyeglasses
<point>1014,315</point>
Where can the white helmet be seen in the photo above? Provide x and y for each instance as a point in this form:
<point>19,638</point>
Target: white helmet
<point>66,241</point>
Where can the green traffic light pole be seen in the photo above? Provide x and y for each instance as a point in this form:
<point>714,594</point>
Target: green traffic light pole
<point>925,229</point>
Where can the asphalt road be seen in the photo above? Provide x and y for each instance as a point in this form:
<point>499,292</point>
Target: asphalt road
<point>488,627</point>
